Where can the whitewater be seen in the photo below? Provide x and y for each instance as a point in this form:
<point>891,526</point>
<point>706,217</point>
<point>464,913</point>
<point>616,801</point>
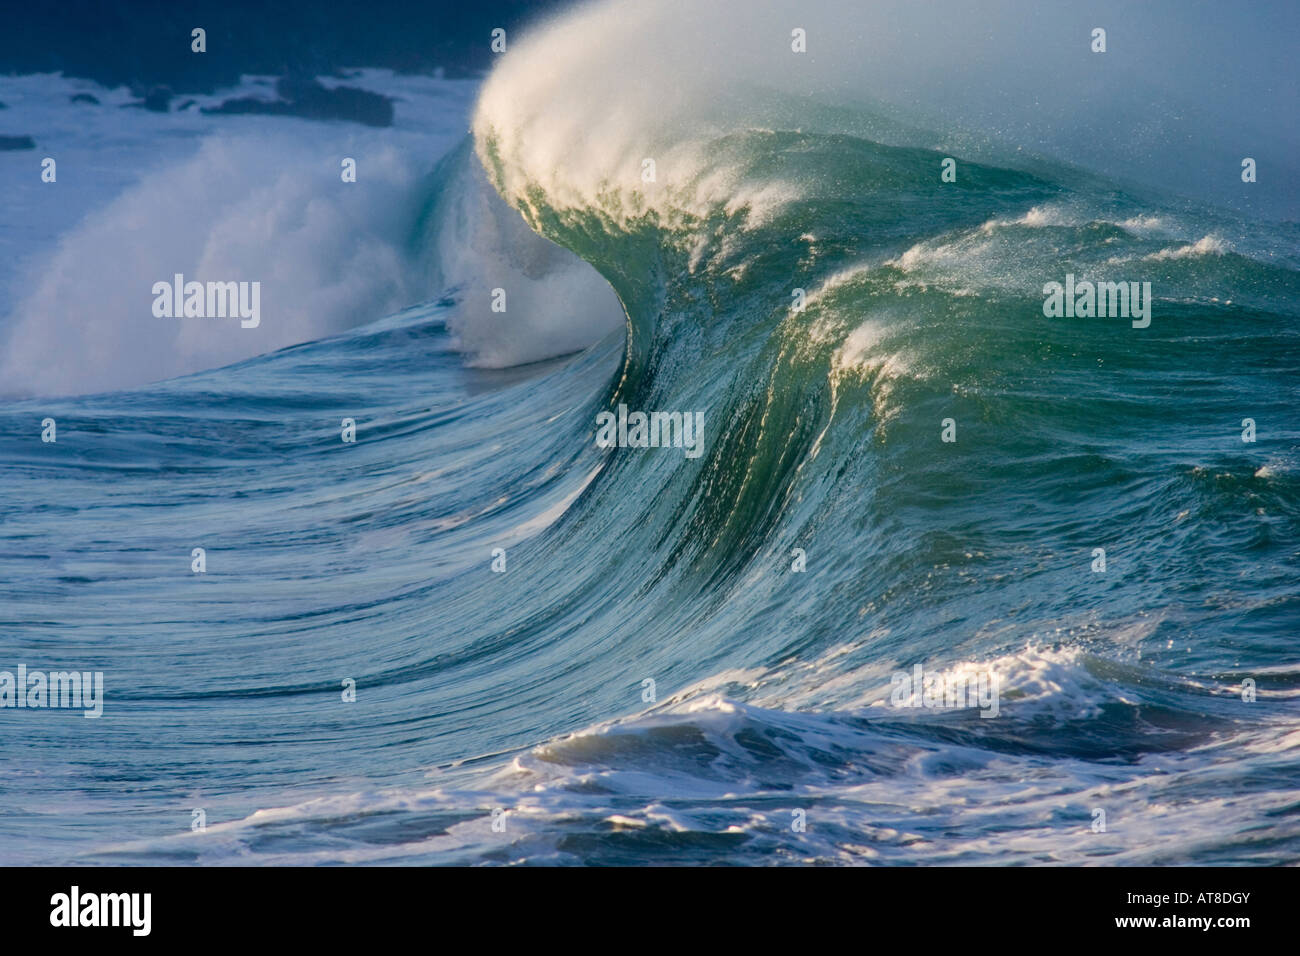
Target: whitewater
<point>476,635</point>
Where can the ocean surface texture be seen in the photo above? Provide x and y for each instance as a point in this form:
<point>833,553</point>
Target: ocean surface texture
<point>475,636</point>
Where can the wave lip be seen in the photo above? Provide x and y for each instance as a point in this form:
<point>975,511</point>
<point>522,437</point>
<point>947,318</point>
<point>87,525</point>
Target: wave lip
<point>518,297</point>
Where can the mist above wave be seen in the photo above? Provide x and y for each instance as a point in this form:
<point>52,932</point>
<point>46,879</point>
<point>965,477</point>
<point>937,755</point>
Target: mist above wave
<point>577,107</point>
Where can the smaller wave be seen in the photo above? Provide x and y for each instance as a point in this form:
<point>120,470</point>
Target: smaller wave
<point>1142,224</point>
<point>1205,246</point>
<point>1040,216</point>
<point>1039,683</point>
<point>1036,218</point>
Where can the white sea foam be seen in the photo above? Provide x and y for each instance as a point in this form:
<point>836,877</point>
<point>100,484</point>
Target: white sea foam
<point>555,303</point>
<point>1205,246</point>
<point>740,769</point>
<point>251,198</point>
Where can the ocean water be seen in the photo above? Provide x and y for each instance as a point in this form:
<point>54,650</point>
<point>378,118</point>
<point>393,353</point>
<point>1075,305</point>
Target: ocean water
<point>504,717</point>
